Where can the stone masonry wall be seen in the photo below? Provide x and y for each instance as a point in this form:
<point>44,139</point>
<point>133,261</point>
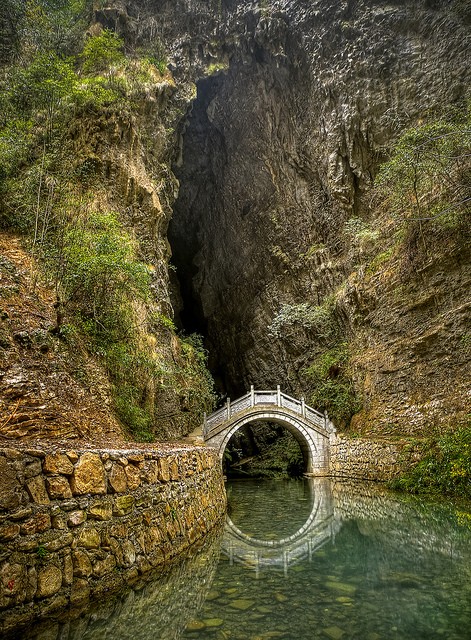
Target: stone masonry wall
<point>74,524</point>
<point>379,460</point>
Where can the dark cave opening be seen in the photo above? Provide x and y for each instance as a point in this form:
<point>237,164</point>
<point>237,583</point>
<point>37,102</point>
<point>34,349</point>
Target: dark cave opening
<point>239,174</point>
<point>199,170</point>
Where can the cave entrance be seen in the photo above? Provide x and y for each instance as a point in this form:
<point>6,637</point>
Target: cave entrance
<point>234,170</point>
<point>264,449</point>
<point>195,231</point>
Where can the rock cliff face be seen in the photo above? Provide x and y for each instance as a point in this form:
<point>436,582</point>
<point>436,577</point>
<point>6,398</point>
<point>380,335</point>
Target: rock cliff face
<point>260,148</point>
<point>297,104</point>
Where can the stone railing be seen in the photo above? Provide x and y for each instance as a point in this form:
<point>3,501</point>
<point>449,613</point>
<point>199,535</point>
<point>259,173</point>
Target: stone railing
<point>74,524</point>
<point>255,398</point>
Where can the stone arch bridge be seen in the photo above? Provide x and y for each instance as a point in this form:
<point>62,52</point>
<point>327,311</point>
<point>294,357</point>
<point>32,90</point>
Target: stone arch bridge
<point>311,428</point>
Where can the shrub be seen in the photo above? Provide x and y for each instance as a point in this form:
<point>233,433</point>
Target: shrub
<point>319,319</point>
<point>98,271</point>
<point>102,51</point>
<point>332,387</point>
<point>445,466</point>
<point>428,175</point>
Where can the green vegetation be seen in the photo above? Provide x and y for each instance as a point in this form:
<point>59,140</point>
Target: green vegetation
<point>101,52</point>
<point>357,230</point>
<point>333,390</point>
<point>41,552</point>
<point>319,319</point>
<point>445,466</point>
<point>50,192</point>
<point>428,175</point>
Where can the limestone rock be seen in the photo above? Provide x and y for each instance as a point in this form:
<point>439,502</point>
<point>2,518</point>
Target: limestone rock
<point>58,463</point>
<point>58,487</point>
<point>118,479</point>
<point>49,581</point>
<point>9,531</point>
<point>132,477</point>
<point>89,475</point>
<point>37,490</point>
<point>89,538</point>
<point>101,511</point>
<point>82,564</point>
<point>76,517</point>
<point>123,505</point>
<point>80,591</point>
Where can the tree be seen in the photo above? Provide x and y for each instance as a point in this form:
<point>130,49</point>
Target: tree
<point>429,174</point>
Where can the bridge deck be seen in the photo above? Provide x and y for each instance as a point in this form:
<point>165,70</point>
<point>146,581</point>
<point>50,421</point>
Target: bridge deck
<point>275,398</point>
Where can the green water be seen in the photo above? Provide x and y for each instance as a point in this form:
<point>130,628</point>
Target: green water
<point>301,560</point>
<point>369,566</point>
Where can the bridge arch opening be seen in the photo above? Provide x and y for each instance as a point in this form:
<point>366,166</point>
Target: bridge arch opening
<point>265,448</point>
<point>311,428</point>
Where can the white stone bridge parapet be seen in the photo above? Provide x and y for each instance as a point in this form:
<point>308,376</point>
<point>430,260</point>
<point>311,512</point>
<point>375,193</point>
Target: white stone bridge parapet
<point>311,428</point>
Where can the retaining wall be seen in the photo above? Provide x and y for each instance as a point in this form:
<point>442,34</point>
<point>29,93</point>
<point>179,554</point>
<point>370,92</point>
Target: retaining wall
<point>379,460</point>
<point>75,524</point>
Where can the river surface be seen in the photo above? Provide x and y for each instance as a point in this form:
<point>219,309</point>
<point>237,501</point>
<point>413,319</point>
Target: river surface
<point>301,560</point>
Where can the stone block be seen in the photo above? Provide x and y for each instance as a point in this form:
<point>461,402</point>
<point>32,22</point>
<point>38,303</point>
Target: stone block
<point>12,579</point>
<point>101,511</point>
<point>152,471</point>
<point>80,591</point>
<point>174,472</point>
<point>118,480</point>
<point>72,455</point>
<point>21,513</point>
<point>164,470</point>
<point>136,458</point>
<point>89,475</point>
<point>123,505</point>
<point>9,486</point>
<point>49,581</point>
<point>59,522</point>
<point>129,553</point>
<point>9,531</point>
<point>61,541</point>
<point>31,583</point>
<point>102,567</point>
<point>58,463</point>
<point>33,469</point>
<point>36,524</point>
<point>37,490</point>
<point>58,487</point>
<point>82,564</point>
<point>68,572</point>
<point>132,477</point>
<point>76,517</point>
<point>88,538</point>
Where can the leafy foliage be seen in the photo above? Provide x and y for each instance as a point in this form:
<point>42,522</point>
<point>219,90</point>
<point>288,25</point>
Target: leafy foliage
<point>445,466</point>
<point>429,174</point>
<point>98,271</point>
<point>332,388</point>
<point>102,51</point>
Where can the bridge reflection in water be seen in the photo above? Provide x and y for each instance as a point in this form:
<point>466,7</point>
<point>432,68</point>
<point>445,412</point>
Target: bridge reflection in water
<point>255,552</point>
